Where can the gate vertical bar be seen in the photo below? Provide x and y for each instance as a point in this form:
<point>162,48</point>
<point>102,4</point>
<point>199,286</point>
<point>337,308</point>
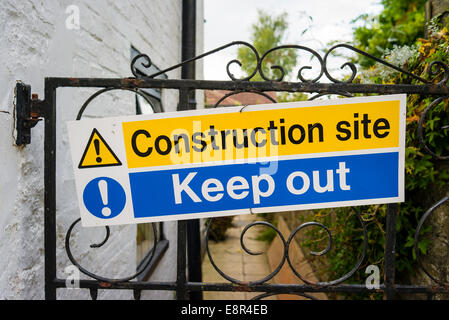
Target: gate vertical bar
<point>188,72</point>
<point>181,290</point>
<point>390,250</point>
<point>181,279</point>
<point>50,191</point>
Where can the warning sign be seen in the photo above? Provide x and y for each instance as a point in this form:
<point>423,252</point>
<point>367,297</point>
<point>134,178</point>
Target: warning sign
<point>228,161</point>
<point>98,153</point>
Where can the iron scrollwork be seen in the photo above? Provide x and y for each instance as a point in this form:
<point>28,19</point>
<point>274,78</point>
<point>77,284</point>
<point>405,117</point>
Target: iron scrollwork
<point>108,232</point>
<point>147,62</point>
<point>416,240</point>
<point>99,245</point>
<point>286,255</point>
<point>421,123</point>
<point>434,68</point>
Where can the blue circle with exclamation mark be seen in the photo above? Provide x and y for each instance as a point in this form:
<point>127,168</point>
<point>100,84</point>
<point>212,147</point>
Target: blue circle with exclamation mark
<point>104,197</point>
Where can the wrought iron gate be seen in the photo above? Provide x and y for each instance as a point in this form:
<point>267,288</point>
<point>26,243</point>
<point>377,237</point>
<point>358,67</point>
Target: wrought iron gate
<point>30,110</point>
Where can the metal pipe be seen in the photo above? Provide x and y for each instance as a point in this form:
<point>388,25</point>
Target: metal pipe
<point>188,72</point>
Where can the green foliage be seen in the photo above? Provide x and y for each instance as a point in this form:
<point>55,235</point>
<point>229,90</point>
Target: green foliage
<point>267,33</point>
<point>423,175</point>
<point>400,23</point>
<point>347,244</point>
<point>267,235</point>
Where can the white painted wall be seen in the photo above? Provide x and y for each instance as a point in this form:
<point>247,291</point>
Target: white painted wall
<point>35,43</point>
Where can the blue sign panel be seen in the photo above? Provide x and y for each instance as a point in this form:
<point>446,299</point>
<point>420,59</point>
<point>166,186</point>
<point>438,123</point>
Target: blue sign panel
<point>245,186</point>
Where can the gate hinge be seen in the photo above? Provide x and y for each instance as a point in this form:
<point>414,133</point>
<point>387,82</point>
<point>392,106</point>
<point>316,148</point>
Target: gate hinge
<point>28,113</point>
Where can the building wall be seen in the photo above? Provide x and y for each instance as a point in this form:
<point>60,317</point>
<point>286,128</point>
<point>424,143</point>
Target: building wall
<point>36,43</point>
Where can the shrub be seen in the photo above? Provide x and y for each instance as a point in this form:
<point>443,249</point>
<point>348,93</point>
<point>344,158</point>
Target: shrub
<point>218,227</point>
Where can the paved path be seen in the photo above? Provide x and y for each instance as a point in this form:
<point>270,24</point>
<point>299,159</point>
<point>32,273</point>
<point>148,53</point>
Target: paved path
<point>230,257</point>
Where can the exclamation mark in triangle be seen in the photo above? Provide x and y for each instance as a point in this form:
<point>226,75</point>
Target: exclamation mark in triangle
<point>98,153</point>
<point>97,150</point>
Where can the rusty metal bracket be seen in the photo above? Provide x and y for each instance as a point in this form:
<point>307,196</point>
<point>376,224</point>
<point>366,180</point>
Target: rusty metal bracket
<point>28,113</point>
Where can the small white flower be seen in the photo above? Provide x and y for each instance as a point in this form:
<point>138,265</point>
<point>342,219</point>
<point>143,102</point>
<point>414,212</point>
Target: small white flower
<point>398,56</point>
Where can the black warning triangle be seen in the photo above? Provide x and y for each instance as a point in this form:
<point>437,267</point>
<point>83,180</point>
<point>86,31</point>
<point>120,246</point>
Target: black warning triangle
<point>98,153</point>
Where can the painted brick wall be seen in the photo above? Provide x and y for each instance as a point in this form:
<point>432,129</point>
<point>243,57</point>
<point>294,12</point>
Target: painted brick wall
<point>36,43</point>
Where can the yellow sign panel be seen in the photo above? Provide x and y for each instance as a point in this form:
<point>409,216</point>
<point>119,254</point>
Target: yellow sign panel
<point>262,133</point>
<point>98,153</point>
